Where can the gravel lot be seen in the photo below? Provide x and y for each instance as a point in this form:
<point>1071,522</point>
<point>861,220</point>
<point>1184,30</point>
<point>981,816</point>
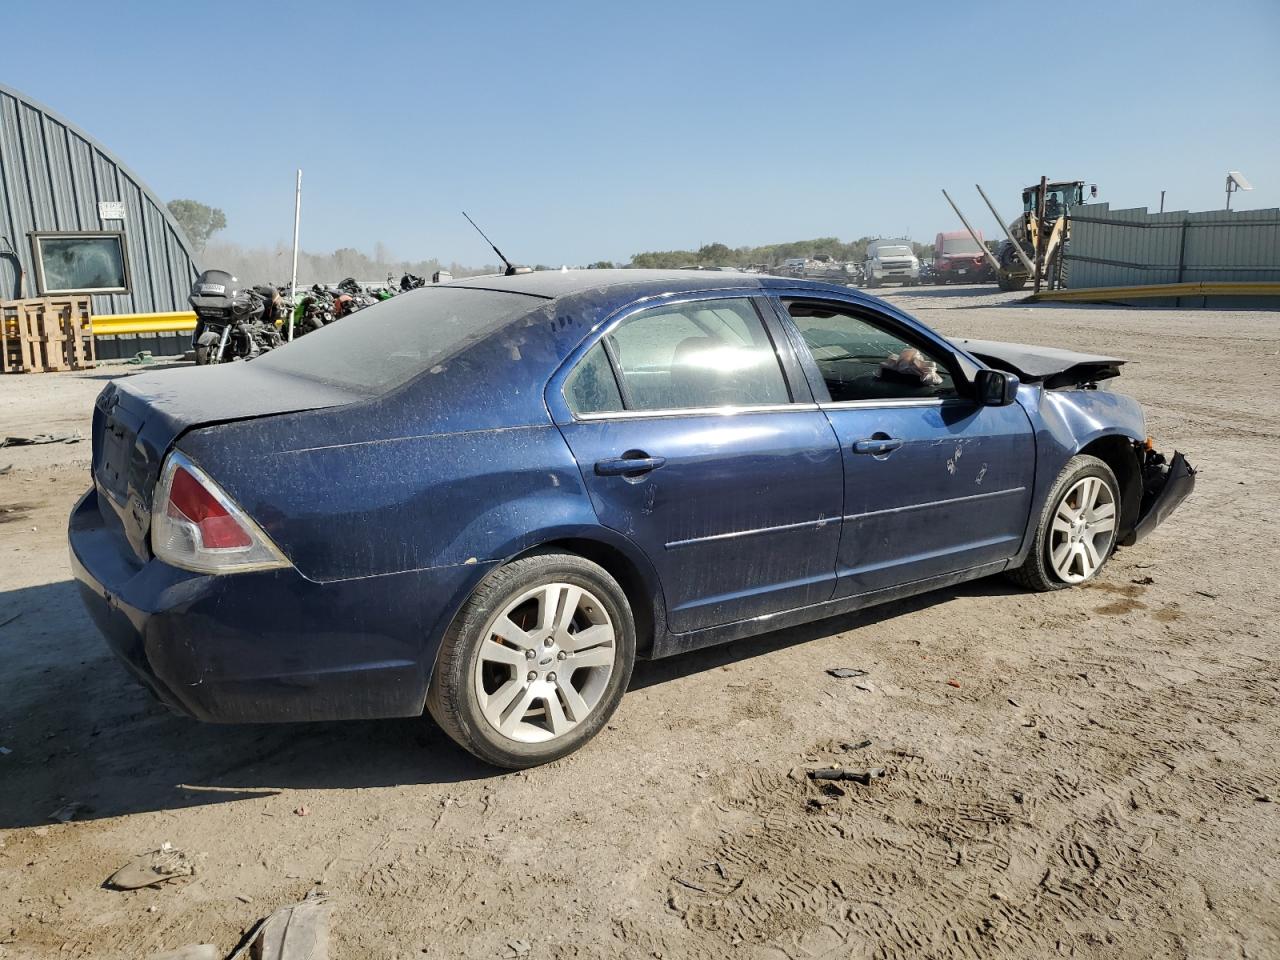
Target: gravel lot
<point>1102,782</point>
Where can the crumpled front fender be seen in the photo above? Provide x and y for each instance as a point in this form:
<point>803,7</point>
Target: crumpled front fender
<point>1165,486</point>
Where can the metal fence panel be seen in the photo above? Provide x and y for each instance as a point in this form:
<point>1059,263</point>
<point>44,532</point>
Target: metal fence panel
<point>1112,248</point>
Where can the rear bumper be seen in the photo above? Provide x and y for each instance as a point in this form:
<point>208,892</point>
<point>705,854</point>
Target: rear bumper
<point>267,646</point>
<point>1165,487</point>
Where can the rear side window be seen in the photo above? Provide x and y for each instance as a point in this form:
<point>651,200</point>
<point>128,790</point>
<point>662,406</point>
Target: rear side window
<point>388,344</point>
<point>591,388</point>
<point>711,353</point>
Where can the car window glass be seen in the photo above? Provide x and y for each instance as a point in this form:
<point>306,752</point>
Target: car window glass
<point>390,343</point>
<point>591,387</point>
<point>860,360</point>
<point>704,354</point>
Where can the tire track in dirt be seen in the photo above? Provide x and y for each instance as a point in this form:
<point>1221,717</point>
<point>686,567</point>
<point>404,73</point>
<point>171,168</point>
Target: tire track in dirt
<point>925,863</point>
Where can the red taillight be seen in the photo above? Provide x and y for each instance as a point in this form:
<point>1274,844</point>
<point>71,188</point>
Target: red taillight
<point>190,501</point>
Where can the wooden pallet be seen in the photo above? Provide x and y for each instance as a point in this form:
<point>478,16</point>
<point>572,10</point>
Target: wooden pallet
<point>46,333</point>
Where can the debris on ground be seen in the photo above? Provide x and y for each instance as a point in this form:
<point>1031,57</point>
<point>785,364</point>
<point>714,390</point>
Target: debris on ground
<point>520,948</point>
<point>303,811</point>
<point>1143,581</point>
<point>296,932</point>
<point>863,777</point>
<point>152,869</point>
<point>858,745</point>
<point>5,751</point>
<point>846,673</point>
<point>1206,593</point>
<point>954,683</point>
<point>5,469</point>
<point>141,357</point>
<point>67,812</point>
<point>40,438</point>
<point>192,951</point>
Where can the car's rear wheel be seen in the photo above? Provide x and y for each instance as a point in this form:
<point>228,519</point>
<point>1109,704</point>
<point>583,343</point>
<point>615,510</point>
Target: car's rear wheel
<point>536,662</point>
<point>1077,530</point>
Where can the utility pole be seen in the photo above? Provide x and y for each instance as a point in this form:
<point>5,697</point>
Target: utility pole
<point>293,280</point>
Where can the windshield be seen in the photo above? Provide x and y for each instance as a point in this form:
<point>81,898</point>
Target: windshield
<point>380,347</point>
<point>957,245</point>
<point>893,252</point>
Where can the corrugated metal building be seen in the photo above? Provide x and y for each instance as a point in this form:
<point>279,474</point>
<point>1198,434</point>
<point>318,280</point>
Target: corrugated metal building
<point>78,220</point>
<point>1112,248</point>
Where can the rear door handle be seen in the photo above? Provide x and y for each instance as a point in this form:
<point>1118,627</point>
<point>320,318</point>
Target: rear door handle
<point>628,466</point>
<point>877,446</point>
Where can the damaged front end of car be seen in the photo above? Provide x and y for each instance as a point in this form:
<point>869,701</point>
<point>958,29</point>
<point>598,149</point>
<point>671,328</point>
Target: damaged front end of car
<point>1165,484</point>
<point>1074,408</point>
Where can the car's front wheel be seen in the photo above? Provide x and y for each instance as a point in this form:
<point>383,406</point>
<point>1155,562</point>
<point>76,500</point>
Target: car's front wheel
<point>536,661</point>
<point>1077,530</point>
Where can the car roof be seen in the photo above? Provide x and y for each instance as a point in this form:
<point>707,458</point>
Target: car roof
<point>555,284</point>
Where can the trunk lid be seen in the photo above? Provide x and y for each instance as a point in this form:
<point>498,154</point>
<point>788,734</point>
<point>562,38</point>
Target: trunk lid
<point>137,419</point>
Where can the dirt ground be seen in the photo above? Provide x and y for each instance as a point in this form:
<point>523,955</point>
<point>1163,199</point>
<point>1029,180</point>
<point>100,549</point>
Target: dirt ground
<point>1100,780</point>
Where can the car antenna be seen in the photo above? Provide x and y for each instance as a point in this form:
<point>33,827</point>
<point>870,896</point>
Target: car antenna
<point>511,270</point>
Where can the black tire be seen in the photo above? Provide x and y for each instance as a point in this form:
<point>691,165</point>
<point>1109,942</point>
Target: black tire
<point>1011,281</point>
<point>1036,572</point>
<point>452,699</point>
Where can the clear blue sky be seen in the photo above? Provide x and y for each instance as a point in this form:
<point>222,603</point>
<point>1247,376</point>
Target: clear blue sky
<point>576,131</point>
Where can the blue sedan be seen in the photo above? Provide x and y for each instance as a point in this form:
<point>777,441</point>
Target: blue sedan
<point>486,499</point>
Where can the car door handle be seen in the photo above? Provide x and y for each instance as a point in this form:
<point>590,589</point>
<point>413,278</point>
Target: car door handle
<point>627,466</point>
<point>877,446</point>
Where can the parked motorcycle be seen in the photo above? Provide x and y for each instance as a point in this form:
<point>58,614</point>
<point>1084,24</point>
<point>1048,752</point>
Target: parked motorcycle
<point>232,323</point>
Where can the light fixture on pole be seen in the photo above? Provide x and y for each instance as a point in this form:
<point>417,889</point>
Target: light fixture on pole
<point>1236,181</point>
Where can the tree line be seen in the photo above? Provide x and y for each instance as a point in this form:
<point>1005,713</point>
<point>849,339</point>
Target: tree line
<point>769,255</point>
<point>274,265</point>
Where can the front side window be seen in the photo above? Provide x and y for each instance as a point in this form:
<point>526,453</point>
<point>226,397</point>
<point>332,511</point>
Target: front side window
<point>861,360</point>
<point>711,353</point>
<point>80,263</point>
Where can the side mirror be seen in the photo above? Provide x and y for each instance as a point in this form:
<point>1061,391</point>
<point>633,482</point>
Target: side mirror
<point>995,388</point>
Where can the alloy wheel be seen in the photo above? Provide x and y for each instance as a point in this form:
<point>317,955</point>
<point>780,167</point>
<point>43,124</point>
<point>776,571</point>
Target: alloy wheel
<point>1083,529</point>
<point>545,662</point>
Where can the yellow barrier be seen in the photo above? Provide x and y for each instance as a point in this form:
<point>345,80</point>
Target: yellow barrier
<point>143,323</point>
<point>1194,288</point>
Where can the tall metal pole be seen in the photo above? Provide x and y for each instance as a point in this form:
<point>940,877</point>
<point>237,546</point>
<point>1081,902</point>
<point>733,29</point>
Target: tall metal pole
<point>1162,201</point>
<point>293,280</point>
<point>1026,261</point>
<point>977,238</point>
<point>1040,244</point>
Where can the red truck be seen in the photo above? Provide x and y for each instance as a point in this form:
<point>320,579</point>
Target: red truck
<point>958,259</point>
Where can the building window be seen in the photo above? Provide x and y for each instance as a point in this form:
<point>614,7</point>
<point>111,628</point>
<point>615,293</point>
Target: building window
<point>80,263</point>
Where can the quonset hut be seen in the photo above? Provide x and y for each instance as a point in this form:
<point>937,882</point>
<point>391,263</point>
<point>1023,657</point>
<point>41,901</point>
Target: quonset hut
<point>74,219</point>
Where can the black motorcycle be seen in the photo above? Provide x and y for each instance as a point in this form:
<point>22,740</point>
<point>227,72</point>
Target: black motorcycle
<point>233,323</point>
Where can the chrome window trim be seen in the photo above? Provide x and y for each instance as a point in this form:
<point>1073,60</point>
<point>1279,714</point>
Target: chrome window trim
<point>876,404</point>
<point>696,411</point>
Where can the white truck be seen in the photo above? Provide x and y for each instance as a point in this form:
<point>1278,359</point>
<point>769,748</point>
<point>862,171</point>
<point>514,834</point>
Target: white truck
<point>891,261</point>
